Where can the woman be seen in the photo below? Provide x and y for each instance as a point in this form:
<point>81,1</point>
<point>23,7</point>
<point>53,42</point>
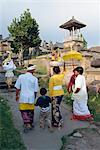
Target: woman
<point>56,92</point>
<point>80,97</point>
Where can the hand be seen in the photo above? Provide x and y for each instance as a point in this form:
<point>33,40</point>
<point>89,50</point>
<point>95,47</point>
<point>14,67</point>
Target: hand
<point>17,98</point>
<point>66,94</point>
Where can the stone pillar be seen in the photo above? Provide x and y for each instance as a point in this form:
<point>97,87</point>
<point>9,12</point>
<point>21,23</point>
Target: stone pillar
<point>73,32</point>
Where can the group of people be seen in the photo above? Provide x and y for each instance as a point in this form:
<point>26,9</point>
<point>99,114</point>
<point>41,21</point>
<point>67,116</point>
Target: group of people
<point>26,94</point>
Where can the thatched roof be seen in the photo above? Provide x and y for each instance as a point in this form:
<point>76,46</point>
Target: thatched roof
<point>95,49</point>
<point>58,45</point>
<point>8,39</point>
<point>86,54</point>
<point>96,63</point>
<point>44,49</point>
<point>72,23</point>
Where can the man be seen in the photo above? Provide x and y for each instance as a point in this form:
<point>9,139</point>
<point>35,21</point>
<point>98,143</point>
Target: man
<point>26,90</point>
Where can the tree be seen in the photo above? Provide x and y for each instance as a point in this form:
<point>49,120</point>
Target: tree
<point>84,42</point>
<point>25,32</point>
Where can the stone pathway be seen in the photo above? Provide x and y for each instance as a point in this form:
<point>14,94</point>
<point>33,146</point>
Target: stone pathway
<point>83,139</point>
<point>42,139</point>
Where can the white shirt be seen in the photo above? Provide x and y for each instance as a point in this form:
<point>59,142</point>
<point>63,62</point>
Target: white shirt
<point>28,84</point>
<point>9,67</point>
<point>80,83</point>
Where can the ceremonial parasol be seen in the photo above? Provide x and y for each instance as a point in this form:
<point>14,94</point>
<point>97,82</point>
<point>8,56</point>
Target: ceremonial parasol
<point>73,55</point>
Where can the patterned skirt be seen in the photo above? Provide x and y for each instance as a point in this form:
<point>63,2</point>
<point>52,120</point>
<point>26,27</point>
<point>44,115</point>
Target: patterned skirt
<point>27,116</point>
<point>56,114</point>
<point>27,113</point>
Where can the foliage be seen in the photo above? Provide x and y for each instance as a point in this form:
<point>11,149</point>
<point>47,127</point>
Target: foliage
<point>84,42</point>
<point>44,82</point>
<point>9,136</point>
<point>25,32</point>
<point>93,103</point>
<point>42,70</point>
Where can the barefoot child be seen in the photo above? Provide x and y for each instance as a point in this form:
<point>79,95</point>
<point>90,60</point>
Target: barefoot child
<point>44,103</point>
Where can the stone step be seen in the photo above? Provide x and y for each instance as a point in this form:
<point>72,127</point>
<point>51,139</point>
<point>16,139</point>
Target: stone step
<point>3,82</point>
<point>4,85</point>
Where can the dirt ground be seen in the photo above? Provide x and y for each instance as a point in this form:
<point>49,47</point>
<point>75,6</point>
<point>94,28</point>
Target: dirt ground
<point>42,139</point>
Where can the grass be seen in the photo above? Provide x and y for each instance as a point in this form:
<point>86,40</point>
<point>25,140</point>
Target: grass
<point>9,136</point>
<point>93,103</point>
<point>41,68</point>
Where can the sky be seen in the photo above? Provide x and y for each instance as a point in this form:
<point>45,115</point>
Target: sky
<point>50,14</point>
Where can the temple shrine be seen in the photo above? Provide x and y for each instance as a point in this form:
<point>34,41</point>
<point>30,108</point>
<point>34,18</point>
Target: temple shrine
<point>75,40</point>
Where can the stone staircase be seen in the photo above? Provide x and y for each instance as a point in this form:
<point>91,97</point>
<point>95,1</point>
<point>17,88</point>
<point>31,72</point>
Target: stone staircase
<point>3,84</point>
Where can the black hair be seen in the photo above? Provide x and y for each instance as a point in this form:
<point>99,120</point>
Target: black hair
<point>43,91</point>
<point>74,70</point>
<point>56,69</point>
<point>79,69</point>
<point>30,65</point>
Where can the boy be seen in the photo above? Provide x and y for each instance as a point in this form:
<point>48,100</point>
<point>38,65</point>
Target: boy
<point>44,103</point>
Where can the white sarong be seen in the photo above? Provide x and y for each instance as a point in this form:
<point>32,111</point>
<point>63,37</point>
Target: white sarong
<point>80,108</point>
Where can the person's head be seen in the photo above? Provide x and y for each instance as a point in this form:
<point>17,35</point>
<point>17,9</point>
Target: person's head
<point>78,70</point>
<point>43,91</point>
<point>56,69</point>
<point>74,70</point>
<point>31,68</point>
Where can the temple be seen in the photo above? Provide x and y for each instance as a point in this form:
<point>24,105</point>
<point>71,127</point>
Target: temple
<point>75,39</point>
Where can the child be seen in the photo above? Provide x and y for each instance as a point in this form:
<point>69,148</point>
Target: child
<point>44,103</point>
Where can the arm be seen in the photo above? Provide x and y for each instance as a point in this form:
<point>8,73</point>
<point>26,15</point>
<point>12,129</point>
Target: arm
<point>18,87</point>
<point>78,84</point>
<point>50,87</point>
<point>77,90</point>
<point>71,83</point>
<point>37,102</point>
<point>17,94</point>
<point>36,87</point>
<point>35,93</point>
<point>49,99</point>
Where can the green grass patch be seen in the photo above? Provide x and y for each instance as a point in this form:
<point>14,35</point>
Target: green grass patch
<point>93,103</point>
<point>9,136</point>
<point>41,71</point>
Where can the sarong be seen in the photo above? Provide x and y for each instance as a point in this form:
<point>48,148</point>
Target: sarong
<point>27,116</point>
<point>80,110</point>
<point>56,113</point>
